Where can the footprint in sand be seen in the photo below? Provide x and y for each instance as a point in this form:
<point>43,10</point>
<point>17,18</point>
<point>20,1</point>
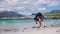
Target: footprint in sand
<point>24,29</point>
<point>58,30</point>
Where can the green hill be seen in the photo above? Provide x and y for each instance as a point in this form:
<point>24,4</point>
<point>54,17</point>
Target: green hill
<point>54,13</point>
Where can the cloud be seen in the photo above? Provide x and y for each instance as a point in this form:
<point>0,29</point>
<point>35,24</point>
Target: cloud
<point>31,4</point>
<point>42,9</point>
<point>20,8</point>
<point>1,9</point>
<point>28,3</point>
<point>53,3</point>
<point>25,13</point>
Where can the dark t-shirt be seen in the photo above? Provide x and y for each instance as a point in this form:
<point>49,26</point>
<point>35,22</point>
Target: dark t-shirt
<point>38,15</point>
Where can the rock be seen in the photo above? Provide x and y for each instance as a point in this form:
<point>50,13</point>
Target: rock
<point>44,26</point>
<point>33,27</point>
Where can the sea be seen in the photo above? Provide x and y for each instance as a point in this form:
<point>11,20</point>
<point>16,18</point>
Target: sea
<point>14,21</point>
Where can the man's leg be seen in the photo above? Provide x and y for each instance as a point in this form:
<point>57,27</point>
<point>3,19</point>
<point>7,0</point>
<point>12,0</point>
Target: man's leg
<point>36,22</point>
<point>40,24</point>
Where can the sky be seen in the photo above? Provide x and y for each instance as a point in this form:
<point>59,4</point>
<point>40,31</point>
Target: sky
<point>27,7</point>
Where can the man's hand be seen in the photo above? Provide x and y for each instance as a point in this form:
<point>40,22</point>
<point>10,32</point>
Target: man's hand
<point>36,22</point>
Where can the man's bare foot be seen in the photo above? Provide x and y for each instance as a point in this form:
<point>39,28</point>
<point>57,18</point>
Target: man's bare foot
<point>40,28</point>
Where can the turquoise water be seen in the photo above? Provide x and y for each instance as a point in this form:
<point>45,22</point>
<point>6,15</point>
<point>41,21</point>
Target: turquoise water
<point>2,21</point>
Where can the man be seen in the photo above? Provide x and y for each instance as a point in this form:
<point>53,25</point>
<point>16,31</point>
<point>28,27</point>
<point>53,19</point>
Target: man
<point>39,18</point>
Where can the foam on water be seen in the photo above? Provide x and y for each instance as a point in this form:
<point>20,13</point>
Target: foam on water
<point>5,21</point>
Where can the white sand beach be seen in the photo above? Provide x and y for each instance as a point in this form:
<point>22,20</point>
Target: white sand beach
<point>29,29</point>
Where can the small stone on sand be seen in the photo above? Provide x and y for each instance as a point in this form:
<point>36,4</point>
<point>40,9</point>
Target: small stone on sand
<point>33,27</point>
<point>44,26</point>
<point>52,25</point>
<point>25,28</point>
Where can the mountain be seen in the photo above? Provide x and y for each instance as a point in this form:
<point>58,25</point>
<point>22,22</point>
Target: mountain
<point>10,14</point>
<point>54,14</point>
<point>55,11</point>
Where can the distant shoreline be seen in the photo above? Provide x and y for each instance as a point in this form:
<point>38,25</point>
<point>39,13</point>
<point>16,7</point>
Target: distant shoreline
<point>28,18</point>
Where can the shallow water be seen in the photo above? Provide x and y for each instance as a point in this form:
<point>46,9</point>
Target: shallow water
<point>8,21</point>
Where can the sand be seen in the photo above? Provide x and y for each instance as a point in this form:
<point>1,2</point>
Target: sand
<point>29,29</point>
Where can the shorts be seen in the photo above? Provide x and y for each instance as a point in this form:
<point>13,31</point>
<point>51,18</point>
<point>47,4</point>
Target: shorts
<point>38,19</point>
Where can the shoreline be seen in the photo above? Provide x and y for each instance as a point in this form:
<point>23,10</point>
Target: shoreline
<point>28,18</point>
